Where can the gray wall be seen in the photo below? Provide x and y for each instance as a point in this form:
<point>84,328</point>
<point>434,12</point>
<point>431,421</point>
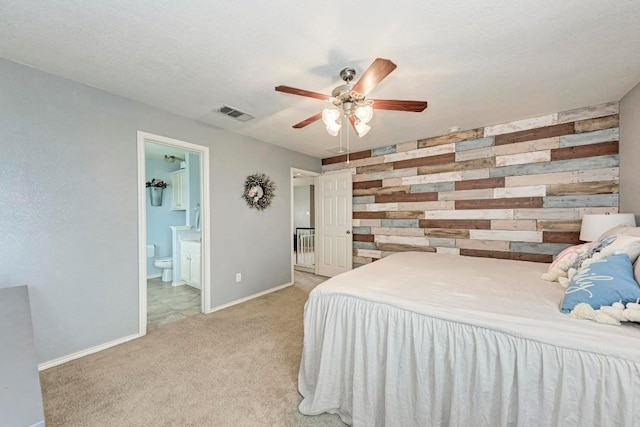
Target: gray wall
<point>630,152</point>
<point>69,207</point>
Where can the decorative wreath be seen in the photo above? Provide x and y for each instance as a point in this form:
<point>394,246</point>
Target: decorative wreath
<point>258,191</point>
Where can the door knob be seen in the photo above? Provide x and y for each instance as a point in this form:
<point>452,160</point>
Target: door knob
<point>348,231</point>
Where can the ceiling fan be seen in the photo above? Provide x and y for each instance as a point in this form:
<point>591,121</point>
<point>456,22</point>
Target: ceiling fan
<point>350,102</point>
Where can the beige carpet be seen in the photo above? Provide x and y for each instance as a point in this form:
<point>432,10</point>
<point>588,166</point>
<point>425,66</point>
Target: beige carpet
<point>235,367</point>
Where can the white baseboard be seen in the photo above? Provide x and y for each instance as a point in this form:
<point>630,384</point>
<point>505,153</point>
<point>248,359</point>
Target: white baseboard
<point>82,353</point>
<point>180,283</point>
<point>250,297</point>
<point>153,276</point>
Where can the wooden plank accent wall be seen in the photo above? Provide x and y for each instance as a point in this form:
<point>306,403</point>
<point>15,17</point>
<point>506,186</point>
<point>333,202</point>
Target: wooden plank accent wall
<point>512,191</point>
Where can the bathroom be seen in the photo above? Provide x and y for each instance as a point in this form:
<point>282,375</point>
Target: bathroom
<point>173,178</point>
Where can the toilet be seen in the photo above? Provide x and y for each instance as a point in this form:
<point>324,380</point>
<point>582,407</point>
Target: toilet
<point>166,264</point>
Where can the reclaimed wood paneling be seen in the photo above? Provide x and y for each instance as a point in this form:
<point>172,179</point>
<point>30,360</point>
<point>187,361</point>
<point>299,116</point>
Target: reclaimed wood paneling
<point>447,251</point>
<point>556,166</point>
<point>471,214</point>
<point>480,153</point>
<point>389,149</point>
<point>368,215</point>
<point>526,146</point>
<point>601,149</point>
<point>526,191</point>
<point>450,233</point>
<point>405,215</point>
<point>343,158</point>
<point>508,235</point>
<point>568,225</point>
<point>394,231</point>
<point>457,166</point>
<point>588,138</point>
<point>407,197</point>
<point>436,186</point>
<point>423,161</point>
<point>539,179</point>
<point>583,188</point>
<point>442,242</point>
<point>537,133</point>
<point>515,190</point>
<point>455,223</point>
<point>367,184</point>
<point>474,144</point>
<point>363,237</point>
<point>395,247</point>
<point>590,125</point>
<point>514,224</point>
<point>488,245</point>
<point>406,146</point>
<point>523,158</point>
<point>561,237</point>
<point>482,193</point>
<point>480,183</point>
<point>399,173</point>
<point>449,138</point>
<point>510,203</point>
<point>381,190</point>
<point>402,240</point>
<point>380,167</point>
<point>590,112</point>
<point>518,256</point>
<point>520,125</point>
<point>421,152</point>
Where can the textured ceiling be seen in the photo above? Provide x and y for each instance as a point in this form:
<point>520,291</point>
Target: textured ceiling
<point>476,63</point>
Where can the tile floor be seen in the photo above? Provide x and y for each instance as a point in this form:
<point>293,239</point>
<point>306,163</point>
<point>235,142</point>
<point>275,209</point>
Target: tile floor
<point>166,303</point>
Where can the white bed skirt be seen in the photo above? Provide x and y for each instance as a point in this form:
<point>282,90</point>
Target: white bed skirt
<point>379,365</point>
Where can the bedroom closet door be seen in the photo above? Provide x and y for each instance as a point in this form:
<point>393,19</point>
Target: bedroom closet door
<point>333,224</point>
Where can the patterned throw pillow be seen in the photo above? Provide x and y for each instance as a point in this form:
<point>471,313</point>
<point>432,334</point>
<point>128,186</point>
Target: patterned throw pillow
<point>602,283</point>
<point>567,253</point>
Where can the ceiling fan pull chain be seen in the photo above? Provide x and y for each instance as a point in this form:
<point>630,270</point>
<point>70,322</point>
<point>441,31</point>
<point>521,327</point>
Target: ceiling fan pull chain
<point>348,150</point>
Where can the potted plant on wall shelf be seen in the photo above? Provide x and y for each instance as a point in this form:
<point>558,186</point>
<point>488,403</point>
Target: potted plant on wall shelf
<point>156,186</point>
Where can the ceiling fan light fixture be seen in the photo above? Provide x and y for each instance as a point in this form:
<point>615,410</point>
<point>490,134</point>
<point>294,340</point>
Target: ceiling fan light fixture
<point>361,128</point>
<point>333,129</point>
<point>364,112</point>
<point>330,116</point>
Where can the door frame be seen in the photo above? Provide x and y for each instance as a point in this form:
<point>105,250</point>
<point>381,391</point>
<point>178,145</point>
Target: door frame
<point>205,221</point>
<point>292,176</point>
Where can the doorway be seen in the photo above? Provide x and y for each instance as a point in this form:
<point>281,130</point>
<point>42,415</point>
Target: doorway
<point>173,230</point>
<point>303,221</point>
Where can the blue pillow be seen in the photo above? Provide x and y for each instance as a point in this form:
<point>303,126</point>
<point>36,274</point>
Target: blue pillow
<point>602,283</point>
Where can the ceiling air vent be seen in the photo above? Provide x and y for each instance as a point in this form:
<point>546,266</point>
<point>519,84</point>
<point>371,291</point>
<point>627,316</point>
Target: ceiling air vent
<point>236,114</point>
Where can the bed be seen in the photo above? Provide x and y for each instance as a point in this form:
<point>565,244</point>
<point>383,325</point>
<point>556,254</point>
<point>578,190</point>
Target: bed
<point>425,339</point>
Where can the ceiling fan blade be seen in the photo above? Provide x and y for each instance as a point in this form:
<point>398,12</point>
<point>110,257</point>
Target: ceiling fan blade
<point>399,105</point>
<point>308,121</point>
<point>301,92</point>
<point>376,72</point>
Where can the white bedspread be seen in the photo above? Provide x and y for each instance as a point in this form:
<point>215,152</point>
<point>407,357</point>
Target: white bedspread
<point>427,339</point>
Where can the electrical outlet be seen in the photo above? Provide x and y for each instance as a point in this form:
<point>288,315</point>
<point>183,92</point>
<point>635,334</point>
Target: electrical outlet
<point>238,277</point>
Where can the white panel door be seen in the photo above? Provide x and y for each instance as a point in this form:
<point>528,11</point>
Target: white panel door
<point>333,223</point>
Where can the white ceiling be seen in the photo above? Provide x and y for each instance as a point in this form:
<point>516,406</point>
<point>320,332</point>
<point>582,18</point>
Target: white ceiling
<point>476,62</point>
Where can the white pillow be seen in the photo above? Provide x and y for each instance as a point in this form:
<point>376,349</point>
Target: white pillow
<point>625,230</point>
<point>627,244</point>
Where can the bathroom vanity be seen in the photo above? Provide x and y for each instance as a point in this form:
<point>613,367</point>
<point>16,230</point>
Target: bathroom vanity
<point>190,265</point>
